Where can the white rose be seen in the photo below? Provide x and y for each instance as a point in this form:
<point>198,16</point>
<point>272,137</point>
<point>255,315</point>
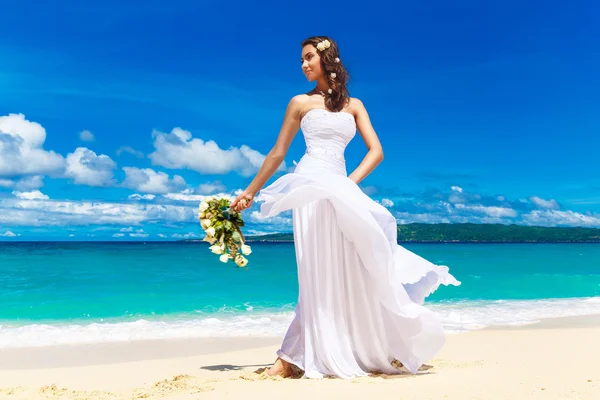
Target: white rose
<point>326,43</point>
<point>209,239</point>
<point>203,206</point>
<point>320,46</point>
<point>333,75</point>
<point>210,231</point>
<point>224,258</point>
<point>217,249</point>
<point>337,59</point>
<point>201,215</point>
<point>207,222</point>
<point>241,261</point>
<point>246,250</point>
<point>330,91</point>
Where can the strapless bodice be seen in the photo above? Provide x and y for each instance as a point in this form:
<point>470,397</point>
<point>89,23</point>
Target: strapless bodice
<point>326,135</point>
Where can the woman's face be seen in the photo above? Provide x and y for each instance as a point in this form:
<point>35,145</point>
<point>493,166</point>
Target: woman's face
<point>311,63</point>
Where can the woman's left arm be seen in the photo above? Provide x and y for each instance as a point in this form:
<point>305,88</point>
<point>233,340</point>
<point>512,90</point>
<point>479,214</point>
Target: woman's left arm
<point>375,154</point>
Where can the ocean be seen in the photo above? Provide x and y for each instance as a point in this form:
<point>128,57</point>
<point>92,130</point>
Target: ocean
<point>78,292</point>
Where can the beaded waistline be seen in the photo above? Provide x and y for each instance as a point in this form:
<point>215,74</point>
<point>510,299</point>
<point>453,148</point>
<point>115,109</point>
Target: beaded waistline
<point>325,152</point>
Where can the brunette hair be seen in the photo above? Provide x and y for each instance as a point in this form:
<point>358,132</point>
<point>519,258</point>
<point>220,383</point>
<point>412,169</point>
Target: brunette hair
<point>339,97</point>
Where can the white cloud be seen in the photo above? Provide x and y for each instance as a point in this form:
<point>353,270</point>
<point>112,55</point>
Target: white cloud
<point>492,211</point>
<point>149,181</point>
<point>130,150</point>
<point>10,234</point>
<point>445,212</point>
<point>190,235</point>
<point>387,203</point>
<point>87,168</point>
<point>139,233</point>
<point>460,207</point>
<point>31,133</point>
<point>430,218</point>
<point>86,136</point>
<point>457,198</point>
<point>257,217</point>
<point>33,195</point>
<point>118,235</point>
<point>185,196</point>
<point>550,204</point>
<point>407,218</point>
<point>24,184</point>
<point>211,187</point>
<point>162,235</point>
<point>29,183</point>
<point>17,212</point>
<point>136,196</point>
<point>555,217</point>
<point>254,232</point>
<point>21,148</point>
<point>178,150</point>
<point>188,195</point>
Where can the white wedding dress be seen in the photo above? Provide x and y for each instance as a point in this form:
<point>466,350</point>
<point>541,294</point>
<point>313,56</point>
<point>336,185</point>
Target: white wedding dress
<point>360,293</point>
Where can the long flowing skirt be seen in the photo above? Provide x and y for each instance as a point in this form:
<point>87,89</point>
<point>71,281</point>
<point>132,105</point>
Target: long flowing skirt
<point>360,293</point>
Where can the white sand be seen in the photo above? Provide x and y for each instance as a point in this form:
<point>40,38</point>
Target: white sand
<point>556,359</point>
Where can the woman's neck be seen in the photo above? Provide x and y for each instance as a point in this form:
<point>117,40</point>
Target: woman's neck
<point>322,85</point>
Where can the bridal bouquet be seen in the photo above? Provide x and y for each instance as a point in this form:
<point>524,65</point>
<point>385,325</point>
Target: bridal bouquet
<point>222,227</point>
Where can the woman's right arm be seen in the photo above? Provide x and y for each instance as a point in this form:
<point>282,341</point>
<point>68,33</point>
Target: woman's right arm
<point>289,128</point>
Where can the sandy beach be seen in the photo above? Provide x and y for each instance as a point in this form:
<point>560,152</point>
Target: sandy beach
<point>554,359</point>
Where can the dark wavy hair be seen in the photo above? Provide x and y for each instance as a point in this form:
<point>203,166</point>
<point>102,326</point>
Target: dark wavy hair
<point>338,99</point>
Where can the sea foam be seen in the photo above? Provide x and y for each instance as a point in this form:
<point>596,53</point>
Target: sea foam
<point>456,317</point>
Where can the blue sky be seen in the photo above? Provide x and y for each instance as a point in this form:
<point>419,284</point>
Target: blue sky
<point>110,111</point>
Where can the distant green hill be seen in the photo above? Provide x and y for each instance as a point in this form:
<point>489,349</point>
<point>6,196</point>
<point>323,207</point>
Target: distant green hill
<point>474,233</point>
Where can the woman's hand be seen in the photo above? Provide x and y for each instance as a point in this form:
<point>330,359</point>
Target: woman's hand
<point>243,201</point>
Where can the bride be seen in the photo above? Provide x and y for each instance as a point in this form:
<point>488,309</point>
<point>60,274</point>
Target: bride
<point>360,294</point>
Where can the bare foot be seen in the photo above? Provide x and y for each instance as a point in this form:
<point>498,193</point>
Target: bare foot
<point>280,368</point>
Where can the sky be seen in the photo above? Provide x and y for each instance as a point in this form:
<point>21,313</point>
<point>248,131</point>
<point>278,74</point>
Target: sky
<point>117,118</point>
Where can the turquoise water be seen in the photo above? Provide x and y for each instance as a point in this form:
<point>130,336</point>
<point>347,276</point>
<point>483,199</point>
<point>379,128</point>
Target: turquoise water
<point>74,292</point>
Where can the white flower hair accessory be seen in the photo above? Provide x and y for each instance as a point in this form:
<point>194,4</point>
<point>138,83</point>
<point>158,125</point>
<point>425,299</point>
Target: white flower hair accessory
<point>325,44</point>
<point>330,91</point>
<point>337,59</point>
<point>333,75</point>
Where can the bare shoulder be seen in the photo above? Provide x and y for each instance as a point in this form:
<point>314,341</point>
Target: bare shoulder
<point>299,99</point>
<point>297,104</point>
<point>355,106</point>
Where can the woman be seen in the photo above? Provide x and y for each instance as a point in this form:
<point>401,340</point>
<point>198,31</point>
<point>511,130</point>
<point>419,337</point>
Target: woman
<point>360,293</point>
